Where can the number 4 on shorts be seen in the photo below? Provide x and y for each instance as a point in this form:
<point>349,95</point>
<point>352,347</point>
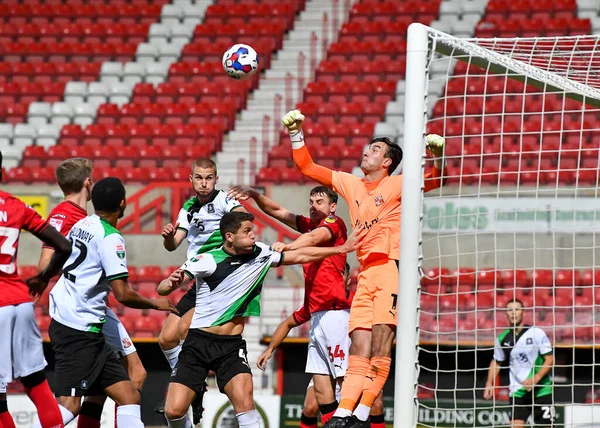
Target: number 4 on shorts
<point>337,353</point>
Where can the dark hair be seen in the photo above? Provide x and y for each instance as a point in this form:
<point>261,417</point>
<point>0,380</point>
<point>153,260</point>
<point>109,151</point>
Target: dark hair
<point>0,166</point>
<point>107,195</point>
<point>347,270</point>
<point>515,300</point>
<point>322,190</point>
<point>394,152</point>
<point>204,163</point>
<point>232,221</point>
<point>71,174</point>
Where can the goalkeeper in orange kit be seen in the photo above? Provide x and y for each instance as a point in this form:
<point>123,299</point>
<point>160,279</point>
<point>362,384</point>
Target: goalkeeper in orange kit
<point>375,204</point>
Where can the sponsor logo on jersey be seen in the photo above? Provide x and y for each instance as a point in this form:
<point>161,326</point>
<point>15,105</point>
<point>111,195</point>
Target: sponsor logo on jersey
<point>126,342</point>
<point>56,223</point>
<point>330,219</point>
<point>120,249</point>
<point>196,258</point>
<point>379,200</point>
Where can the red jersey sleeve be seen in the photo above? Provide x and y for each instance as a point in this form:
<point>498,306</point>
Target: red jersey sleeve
<point>336,226</point>
<point>301,315</point>
<point>64,216</point>
<point>303,224</point>
<point>32,221</point>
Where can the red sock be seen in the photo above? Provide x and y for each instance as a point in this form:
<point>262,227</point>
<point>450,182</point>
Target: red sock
<point>327,411</point>
<point>46,405</point>
<point>6,421</point>
<point>89,415</point>
<point>377,421</point>
<point>306,422</point>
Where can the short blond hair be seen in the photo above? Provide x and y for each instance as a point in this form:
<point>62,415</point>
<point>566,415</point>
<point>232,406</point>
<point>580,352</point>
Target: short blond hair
<point>72,173</point>
<point>204,163</point>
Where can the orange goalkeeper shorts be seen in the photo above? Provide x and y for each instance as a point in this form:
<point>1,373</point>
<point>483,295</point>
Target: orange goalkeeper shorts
<point>376,299</point>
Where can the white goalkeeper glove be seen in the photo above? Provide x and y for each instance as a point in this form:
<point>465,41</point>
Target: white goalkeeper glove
<point>293,122</point>
<point>435,144</point>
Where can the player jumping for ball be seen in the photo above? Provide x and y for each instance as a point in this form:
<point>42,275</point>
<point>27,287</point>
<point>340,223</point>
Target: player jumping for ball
<point>198,221</point>
<point>374,203</point>
<point>229,281</point>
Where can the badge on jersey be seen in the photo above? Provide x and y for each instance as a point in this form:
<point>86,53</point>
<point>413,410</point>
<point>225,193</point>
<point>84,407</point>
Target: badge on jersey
<point>330,219</point>
<point>379,200</point>
<point>210,208</point>
<point>120,249</point>
<point>56,223</point>
<point>529,341</point>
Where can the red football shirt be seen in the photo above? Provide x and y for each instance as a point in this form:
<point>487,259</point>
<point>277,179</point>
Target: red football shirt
<point>301,315</point>
<point>324,280</point>
<point>64,216</point>
<point>14,216</point>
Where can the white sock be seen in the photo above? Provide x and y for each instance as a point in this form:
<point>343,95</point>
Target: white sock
<point>183,422</point>
<point>342,413</point>
<point>248,419</point>
<point>362,412</point>
<point>172,355</point>
<point>130,416</point>
<point>67,417</point>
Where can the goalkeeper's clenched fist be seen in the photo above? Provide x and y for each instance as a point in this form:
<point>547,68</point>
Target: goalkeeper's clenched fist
<point>293,121</point>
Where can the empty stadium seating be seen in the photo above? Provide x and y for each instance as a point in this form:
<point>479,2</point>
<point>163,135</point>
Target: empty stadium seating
<point>149,135</point>
<point>352,85</point>
<point>539,144</point>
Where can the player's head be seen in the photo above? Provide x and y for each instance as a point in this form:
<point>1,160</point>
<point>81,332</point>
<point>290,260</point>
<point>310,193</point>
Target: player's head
<point>381,154</point>
<point>204,177</point>
<point>237,229</point>
<point>108,196</point>
<point>74,175</point>
<point>322,203</point>
<point>515,312</point>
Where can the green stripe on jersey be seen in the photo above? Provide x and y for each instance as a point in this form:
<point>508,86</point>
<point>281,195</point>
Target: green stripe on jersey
<point>189,203</point>
<point>248,305</point>
<point>214,241</point>
<point>109,229</point>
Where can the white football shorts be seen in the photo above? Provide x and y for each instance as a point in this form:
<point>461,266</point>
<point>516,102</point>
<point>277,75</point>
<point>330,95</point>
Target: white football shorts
<point>116,335</point>
<point>329,344</point>
<point>21,351</point>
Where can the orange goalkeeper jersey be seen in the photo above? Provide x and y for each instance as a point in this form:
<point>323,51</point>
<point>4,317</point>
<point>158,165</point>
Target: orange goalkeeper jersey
<point>376,205</point>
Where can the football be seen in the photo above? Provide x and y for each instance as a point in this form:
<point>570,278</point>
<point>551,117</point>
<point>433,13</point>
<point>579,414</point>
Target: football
<point>240,61</point>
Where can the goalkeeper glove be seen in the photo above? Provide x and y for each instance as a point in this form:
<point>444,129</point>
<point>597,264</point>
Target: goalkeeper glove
<point>293,122</point>
<point>435,144</point>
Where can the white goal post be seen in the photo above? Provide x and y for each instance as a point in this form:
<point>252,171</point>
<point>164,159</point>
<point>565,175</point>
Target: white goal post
<point>518,218</point>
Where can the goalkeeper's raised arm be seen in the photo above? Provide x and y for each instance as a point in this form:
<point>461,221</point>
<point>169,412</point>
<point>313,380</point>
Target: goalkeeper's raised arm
<point>293,122</point>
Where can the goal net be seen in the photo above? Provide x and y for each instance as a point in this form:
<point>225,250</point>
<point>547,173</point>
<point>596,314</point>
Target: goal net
<point>518,217</point>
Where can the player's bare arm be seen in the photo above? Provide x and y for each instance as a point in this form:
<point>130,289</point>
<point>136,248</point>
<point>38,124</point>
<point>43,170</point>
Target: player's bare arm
<point>62,251</point>
<point>268,206</point>
<point>319,236</point>
<point>175,280</point>
<point>493,371</point>
<point>544,370</point>
<point>314,254</point>
<point>130,298</point>
<point>172,236</point>
<point>281,332</point>
<point>45,258</point>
